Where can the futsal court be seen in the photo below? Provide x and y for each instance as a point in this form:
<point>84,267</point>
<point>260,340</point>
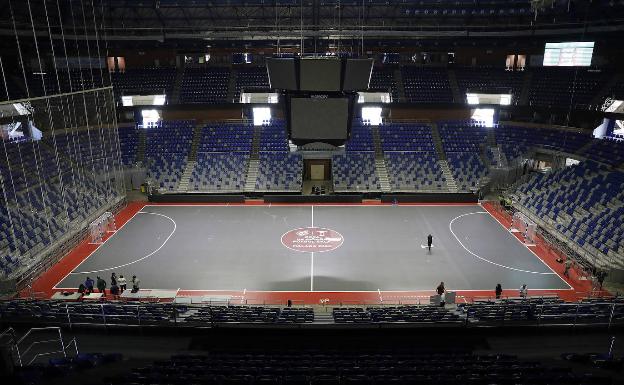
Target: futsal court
<point>290,248</point>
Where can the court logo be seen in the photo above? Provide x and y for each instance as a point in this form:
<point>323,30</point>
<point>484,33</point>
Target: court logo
<point>312,239</point>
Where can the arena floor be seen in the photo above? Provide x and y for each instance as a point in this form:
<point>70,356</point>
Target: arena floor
<point>316,249</point>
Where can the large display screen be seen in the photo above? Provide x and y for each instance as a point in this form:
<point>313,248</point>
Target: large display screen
<point>319,118</point>
<point>570,54</point>
<point>320,74</point>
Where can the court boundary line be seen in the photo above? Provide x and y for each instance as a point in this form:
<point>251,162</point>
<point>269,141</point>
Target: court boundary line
<point>315,291</point>
<point>485,259</point>
<point>55,287</point>
<point>527,247</point>
<point>175,226</point>
<point>336,291</point>
<point>97,248</point>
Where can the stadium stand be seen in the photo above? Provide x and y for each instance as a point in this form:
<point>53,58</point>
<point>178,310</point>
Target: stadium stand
<point>564,86</point>
<point>364,367</point>
<point>167,148</point>
<point>382,78</point>
<point>251,78</point>
<point>204,85</point>
<point>280,172</point>
<point>355,172</point>
<point>144,81</point>
<point>462,143</point>
<point>489,80</point>
<point>361,138</point>
<point>584,204</point>
<point>415,171</point>
<point>128,143</point>
<point>426,85</point>
<point>219,172</point>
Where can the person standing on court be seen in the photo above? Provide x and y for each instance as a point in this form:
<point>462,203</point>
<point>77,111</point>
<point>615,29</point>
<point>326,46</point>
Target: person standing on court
<point>441,290</point>
<point>101,285</point>
<point>498,290</point>
<point>524,290</point>
<point>113,280</point>
<point>89,285</point>
<point>429,241</point>
<point>135,284</point>
<point>121,281</point>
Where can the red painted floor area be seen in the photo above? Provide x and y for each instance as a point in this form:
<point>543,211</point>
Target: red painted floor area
<point>45,283</point>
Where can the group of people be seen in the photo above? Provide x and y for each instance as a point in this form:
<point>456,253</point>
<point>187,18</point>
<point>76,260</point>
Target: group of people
<point>117,285</point>
<point>524,290</point>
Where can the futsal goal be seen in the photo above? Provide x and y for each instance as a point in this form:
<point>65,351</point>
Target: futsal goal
<point>520,223</point>
<point>105,223</point>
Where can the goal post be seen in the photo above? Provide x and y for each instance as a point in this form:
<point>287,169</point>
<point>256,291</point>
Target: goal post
<point>520,223</point>
<point>105,223</point>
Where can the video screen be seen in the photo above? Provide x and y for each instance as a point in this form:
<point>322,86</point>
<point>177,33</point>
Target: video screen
<point>319,118</point>
<point>570,54</point>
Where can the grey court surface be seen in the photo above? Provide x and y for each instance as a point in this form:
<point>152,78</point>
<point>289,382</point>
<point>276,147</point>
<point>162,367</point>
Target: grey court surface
<point>371,248</point>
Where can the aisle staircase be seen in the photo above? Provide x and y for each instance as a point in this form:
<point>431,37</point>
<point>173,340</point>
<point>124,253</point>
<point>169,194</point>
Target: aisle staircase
<point>231,93</point>
<point>437,141</point>
<point>177,87</point>
<point>252,175</point>
<point>140,157</point>
<point>183,185</point>
<point>254,161</point>
<point>523,100</point>
<point>398,83</point>
<point>448,175</point>
<point>382,174</point>
<point>457,96</point>
<point>197,137</point>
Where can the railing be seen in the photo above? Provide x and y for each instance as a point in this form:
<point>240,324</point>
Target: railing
<point>25,347</point>
<point>546,310</point>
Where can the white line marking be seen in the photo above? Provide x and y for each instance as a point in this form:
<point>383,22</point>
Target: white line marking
<point>484,259</point>
<point>312,271</point>
<point>335,291</point>
<point>140,259</point>
<point>318,205</point>
<point>96,249</point>
<point>532,252</point>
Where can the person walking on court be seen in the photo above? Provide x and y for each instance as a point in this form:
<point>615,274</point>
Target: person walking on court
<point>498,290</point>
<point>101,285</point>
<point>429,241</point>
<point>567,266</point>
<point>121,281</point>
<point>113,280</point>
<point>441,292</point>
<point>524,290</point>
<point>89,285</point>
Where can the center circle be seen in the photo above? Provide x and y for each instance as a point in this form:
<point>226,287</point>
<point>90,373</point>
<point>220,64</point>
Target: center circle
<point>312,239</point>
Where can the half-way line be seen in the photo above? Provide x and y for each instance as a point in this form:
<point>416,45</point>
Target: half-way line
<point>484,259</point>
<point>140,259</point>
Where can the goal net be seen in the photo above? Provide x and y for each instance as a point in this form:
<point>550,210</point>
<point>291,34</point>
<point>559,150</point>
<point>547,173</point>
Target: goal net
<point>105,223</point>
<point>520,223</point>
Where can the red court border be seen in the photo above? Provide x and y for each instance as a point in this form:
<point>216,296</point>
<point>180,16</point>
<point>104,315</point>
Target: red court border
<point>46,282</point>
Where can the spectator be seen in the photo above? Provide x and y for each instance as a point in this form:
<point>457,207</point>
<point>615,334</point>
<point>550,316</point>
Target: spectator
<point>89,285</point>
<point>498,290</point>
<point>524,290</point>
<point>101,285</point>
<point>122,283</point>
<point>135,284</point>
<point>113,280</point>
